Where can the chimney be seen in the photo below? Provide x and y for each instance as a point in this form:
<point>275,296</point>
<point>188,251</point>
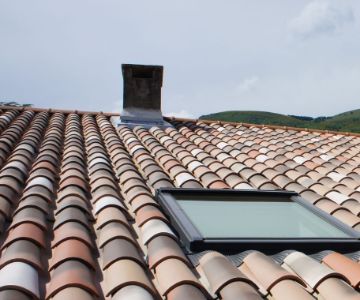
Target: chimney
<point>142,95</point>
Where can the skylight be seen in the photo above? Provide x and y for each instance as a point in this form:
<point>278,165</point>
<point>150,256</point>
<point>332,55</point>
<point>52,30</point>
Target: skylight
<point>268,221</point>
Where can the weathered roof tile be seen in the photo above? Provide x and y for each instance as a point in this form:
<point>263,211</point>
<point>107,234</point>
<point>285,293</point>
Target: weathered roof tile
<point>103,182</point>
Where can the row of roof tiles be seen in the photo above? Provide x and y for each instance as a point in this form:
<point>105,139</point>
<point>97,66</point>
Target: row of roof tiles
<point>79,216</point>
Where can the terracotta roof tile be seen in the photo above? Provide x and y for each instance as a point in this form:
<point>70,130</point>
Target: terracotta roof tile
<point>14,294</point>
<point>267,272</point>
<point>220,273</point>
<point>239,290</point>
<point>71,230</point>
<point>345,266</point>
<point>288,289</point>
<point>162,248</point>
<point>169,280</point>
<point>333,288</point>
<point>118,249</point>
<point>132,292</point>
<point>71,249</point>
<point>123,273</point>
<point>71,273</point>
<point>25,231</point>
<point>22,250</point>
<point>312,272</point>
<point>103,180</point>
<point>20,276</point>
<point>73,292</point>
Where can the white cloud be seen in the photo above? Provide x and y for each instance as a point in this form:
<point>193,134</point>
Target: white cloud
<point>247,84</point>
<point>320,17</point>
<point>180,114</point>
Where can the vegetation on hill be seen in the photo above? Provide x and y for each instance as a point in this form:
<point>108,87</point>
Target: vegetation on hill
<point>348,121</point>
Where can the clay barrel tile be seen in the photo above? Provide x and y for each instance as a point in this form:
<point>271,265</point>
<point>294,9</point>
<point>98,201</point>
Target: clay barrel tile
<point>31,215</point>
<point>114,230</point>
<point>39,191</point>
<point>353,206</point>
<point>42,172</point>
<point>104,191</point>
<point>141,201</point>
<point>345,266</point>
<point>5,208</point>
<point>218,185</point>
<point>26,231</point>
<point>128,174</point>
<point>311,271</point>
<point>73,293</point>
<point>219,271</point>
<point>11,183</point>
<point>71,173</point>
<point>102,182</point>
<point>240,290</point>
<point>13,294</point>
<point>98,175</point>
<point>71,273</point>
<point>13,173</point>
<point>19,165</point>
<point>328,206</point>
<point>40,181</point>
<point>168,279</point>
<point>347,217</point>
<point>334,289</point>
<point>131,183</point>
<point>108,201</point>
<point>133,292</point>
<point>123,273</point>
<point>266,271</point>
<point>34,202</point>
<point>147,213</point>
<point>20,276</point>
<point>136,192</point>
<point>186,291</point>
<point>71,214</point>
<point>72,166</point>
<point>110,214</point>
<point>72,202</point>
<point>71,191</point>
<point>118,249</point>
<point>153,228</point>
<point>71,249</point>
<point>162,248</point>
<point>22,250</point>
<point>289,289</point>
<point>72,230</point>
<point>74,181</point>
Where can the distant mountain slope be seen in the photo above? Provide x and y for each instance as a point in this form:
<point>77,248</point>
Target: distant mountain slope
<point>348,121</point>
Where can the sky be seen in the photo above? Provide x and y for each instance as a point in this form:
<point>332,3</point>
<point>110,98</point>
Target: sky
<point>291,57</point>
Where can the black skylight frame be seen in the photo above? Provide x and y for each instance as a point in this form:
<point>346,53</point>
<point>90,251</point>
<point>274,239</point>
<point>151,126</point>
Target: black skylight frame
<point>194,241</point>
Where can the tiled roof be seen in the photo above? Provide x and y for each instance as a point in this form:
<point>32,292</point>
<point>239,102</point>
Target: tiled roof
<point>79,219</point>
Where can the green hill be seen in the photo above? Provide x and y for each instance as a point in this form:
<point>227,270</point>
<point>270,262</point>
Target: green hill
<point>348,121</point>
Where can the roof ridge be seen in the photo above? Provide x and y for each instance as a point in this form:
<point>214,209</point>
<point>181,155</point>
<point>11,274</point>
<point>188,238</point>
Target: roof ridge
<point>113,114</point>
<point>263,126</point>
<point>65,111</point>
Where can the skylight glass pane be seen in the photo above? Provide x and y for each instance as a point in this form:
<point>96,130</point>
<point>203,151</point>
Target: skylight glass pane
<point>256,219</point>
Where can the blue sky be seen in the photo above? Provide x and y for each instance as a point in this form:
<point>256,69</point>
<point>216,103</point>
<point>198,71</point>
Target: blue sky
<point>293,57</point>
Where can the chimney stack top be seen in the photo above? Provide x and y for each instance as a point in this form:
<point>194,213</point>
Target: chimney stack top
<point>142,94</point>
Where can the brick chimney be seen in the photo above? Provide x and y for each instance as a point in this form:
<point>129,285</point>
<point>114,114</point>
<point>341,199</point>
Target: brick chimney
<point>142,95</point>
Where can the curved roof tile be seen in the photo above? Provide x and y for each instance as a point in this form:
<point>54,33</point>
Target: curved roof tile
<point>110,176</point>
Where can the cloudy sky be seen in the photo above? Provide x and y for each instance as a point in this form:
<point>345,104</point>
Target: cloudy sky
<point>293,57</point>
